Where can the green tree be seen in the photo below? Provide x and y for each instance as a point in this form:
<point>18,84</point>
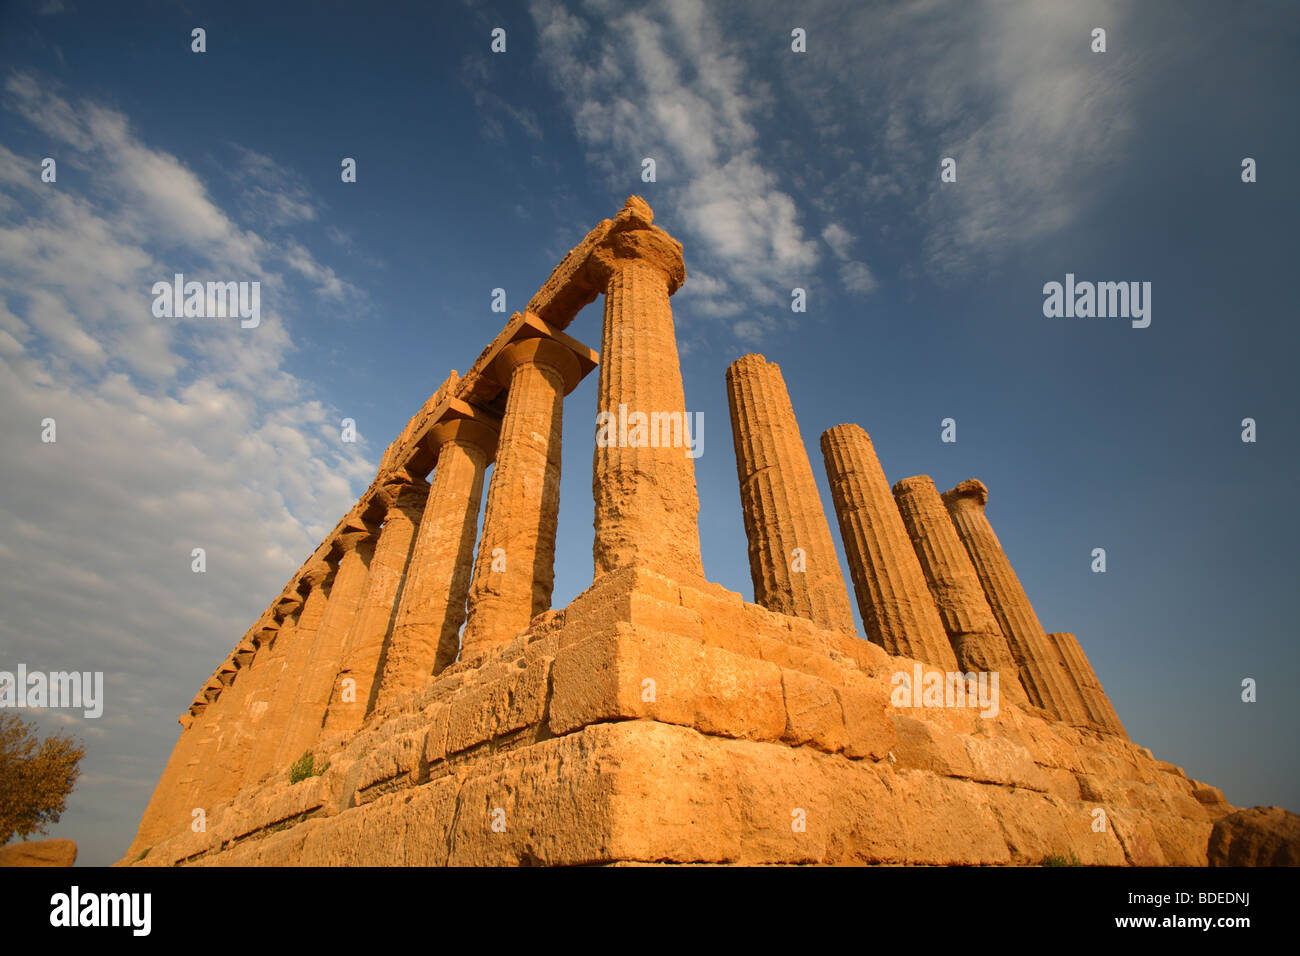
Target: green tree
<point>36,776</point>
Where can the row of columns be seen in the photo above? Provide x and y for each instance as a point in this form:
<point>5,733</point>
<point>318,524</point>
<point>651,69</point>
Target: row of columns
<point>383,610</point>
<point>931,578</point>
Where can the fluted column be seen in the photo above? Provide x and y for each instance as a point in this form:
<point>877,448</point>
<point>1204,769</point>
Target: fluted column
<point>1028,642</point>
<point>273,697</point>
<point>217,719</point>
<point>897,610</point>
<point>972,630</point>
<point>1085,680</point>
<point>353,695</point>
<point>226,766</point>
<point>159,818</point>
<point>791,555</point>
<point>353,549</point>
<point>426,630</point>
<point>647,506</point>
<point>515,570</point>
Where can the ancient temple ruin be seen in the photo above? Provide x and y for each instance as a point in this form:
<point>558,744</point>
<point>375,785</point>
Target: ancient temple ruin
<point>452,716</point>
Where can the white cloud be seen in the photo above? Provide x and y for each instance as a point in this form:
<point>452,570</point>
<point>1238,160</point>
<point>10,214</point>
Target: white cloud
<point>661,84</point>
<point>171,434</point>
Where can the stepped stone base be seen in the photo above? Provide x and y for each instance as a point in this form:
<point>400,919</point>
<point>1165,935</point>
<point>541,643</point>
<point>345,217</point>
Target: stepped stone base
<point>670,721</point>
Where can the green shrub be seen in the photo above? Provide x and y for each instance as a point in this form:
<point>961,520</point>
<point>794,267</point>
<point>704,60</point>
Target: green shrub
<point>1057,859</point>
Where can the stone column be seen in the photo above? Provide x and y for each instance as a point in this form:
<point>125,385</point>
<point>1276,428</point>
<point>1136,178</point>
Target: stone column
<point>972,630</point>
<point>426,630</point>
<point>225,772</point>
<point>1010,605</point>
<point>515,570</point>
<point>647,507</point>
<point>1086,682</point>
<point>792,558</point>
<point>274,696</point>
<point>897,610</point>
<point>217,718</point>
<point>353,695</point>
<point>158,817</point>
<point>353,549</point>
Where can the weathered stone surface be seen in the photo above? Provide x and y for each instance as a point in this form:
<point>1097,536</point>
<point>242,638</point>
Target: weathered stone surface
<point>355,686</point>
<point>791,555</point>
<point>515,570</point>
<point>272,700</point>
<point>659,718</point>
<point>897,609</point>
<point>39,853</point>
<point>311,701</point>
<point>1084,679</point>
<point>1258,836</point>
<point>647,506</point>
<point>637,672</point>
<point>976,639</point>
<point>426,627</point>
<point>1025,636</point>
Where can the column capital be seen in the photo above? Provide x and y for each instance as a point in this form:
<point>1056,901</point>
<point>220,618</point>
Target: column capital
<point>285,605</point>
<point>404,496</point>
<point>354,533</point>
<point>465,431</point>
<point>264,629</point>
<point>633,237</point>
<point>243,653</point>
<point>538,351</point>
<point>970,493</point>
<point>313,576</point>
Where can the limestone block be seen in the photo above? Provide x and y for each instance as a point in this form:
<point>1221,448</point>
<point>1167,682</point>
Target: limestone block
<point>924,746</point>
<point>813,714</point>
<point>1036,825</point>
<point>39,853</point>
<point>636,672</point>
<point>869,728</point>
<point>1259,836</point>
<point>494,708</point>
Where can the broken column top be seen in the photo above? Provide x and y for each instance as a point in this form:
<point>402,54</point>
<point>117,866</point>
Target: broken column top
<point>915,483</point>
<point>972,489</point>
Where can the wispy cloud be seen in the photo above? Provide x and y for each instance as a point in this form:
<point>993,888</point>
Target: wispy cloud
<point>172,434</point>
<point>659,82</point>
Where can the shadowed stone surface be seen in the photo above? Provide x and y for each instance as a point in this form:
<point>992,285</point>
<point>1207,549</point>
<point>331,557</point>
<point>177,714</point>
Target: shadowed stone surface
<point>432,607</point>
<point>515,570</point>
<point>973,632</point>
<point>364,647</point>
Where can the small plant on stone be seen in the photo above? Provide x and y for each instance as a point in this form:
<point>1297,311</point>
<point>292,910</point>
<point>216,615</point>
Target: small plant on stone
<point>302,768</point>
<point>1058,859</point>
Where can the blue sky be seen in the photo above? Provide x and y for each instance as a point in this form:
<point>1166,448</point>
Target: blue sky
<point>775,170</point>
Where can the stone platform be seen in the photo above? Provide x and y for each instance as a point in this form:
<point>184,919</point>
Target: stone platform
<point>663,721</point>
